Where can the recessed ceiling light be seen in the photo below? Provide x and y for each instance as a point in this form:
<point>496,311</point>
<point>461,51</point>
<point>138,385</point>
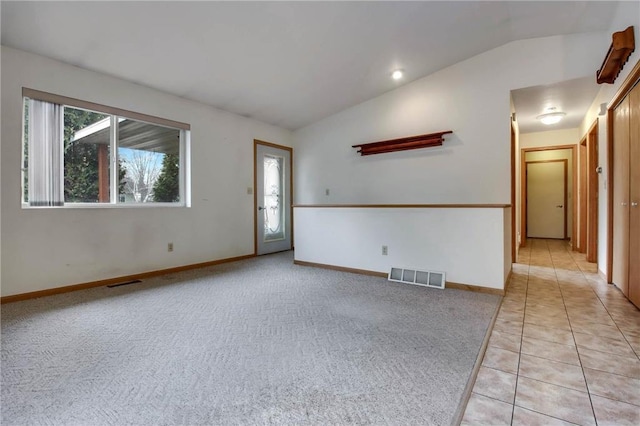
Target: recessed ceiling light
<point>397,74</point>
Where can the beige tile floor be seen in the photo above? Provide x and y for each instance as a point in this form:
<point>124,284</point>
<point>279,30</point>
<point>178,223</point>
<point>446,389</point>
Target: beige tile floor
<point>564,350</point>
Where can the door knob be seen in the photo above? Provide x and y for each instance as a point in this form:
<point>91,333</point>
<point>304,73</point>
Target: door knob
<point>634,204</point>
<point>261,208</point>
<point>559,206</point>
<point>623,204</point>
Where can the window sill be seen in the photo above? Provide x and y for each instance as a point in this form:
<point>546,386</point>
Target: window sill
<point>73,206</point>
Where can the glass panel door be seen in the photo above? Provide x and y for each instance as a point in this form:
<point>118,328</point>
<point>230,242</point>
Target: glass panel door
<point>273,197</point>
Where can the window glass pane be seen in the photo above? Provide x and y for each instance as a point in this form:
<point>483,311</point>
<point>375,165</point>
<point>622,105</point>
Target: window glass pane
<point>273,198</point>
<point>67,157</point>
<point>149,159</point>
<point>86,156</point>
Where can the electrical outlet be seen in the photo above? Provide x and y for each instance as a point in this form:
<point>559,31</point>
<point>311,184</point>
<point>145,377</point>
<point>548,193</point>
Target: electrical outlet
<point>249,190</point>
<point>327,192</point>
<point>170,247</point>
<point>385,250</point>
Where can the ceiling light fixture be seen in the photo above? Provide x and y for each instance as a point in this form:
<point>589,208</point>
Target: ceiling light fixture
<point>551,116</point>
<point>397,74</point>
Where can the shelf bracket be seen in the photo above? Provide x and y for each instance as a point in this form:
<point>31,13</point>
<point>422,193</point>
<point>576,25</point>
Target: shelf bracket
<point>622,45</point>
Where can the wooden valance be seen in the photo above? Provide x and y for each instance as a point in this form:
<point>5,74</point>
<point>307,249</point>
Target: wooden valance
<point>622,46</point>
<point>402,144</point>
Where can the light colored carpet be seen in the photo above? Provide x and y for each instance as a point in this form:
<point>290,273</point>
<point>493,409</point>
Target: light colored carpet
<point>260,341</point>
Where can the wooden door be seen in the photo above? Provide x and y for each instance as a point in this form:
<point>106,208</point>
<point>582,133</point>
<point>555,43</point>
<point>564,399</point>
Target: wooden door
<point>634,196</point>
<point>620,270</point>
<point>546,199</point>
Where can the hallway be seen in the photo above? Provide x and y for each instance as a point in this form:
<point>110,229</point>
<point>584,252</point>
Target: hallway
<point>564,349</point>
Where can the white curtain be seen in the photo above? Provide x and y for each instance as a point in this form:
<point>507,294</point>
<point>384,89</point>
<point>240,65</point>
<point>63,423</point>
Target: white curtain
<point>46,169</point>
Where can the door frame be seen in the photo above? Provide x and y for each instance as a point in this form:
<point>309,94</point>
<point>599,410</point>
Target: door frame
<point>257,142</point>
<point>632,79</point>
<point>564,195</point>
<point>523,189</point>
<point>592,193</point>
<point>514,240</point>
<point>581,242</point>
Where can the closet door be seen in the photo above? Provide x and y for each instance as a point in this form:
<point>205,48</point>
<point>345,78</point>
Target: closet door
<point>620,271</point>
<point>634,196</point>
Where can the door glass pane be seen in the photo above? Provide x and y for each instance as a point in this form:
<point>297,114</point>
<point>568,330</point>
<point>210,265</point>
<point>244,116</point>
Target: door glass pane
<point>273,198</point>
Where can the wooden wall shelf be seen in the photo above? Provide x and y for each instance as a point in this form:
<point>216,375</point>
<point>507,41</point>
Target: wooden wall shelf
<point>402,144</point>
<point>622,46</point>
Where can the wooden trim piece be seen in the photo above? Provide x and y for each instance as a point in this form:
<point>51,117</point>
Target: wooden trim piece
<point>273,145</point>
<point>402,144</point>
<point>475,288</point>
<point>523,198</point>
<point>110,281</point>
<point>404,206</point>
<point>574,190</point>
<point>341,268</point>
<point>558,160</point>
<point>582,230</point>
<point>610,110</point>
<point>566,191</point>
<point>448,284</point>
<point>548,148</point>
<point>58,99</point>
<point>255,197</point>
<point>592,193</point>
<point>513,194</point>
<point>622,45</point>
<point>257,142</point>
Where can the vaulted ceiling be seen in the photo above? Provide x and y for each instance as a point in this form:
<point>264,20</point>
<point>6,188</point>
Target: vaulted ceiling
<point>285,63</point>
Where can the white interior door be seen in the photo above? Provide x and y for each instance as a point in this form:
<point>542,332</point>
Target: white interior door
<point>546,195</point>
<point>273,198</point>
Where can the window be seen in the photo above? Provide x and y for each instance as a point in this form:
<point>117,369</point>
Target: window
<point>81,153</point>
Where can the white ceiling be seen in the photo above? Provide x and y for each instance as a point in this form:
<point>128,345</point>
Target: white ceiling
<point>285,63</point>
<point>573,97</point>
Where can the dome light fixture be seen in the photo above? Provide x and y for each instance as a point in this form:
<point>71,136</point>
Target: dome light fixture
<point>397,74</point>
<point>551,116</point>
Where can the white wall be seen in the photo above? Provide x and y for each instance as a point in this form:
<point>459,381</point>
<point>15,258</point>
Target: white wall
<point>472,98</point>
<point>550,138</point>
<point>428,238</point>
<point>507,260</point>
<point>516,128</point>
<point>628,14</point>
<point>48,248</point>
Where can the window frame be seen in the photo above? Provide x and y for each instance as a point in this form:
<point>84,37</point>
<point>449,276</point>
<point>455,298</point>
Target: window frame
<point>114,113</point>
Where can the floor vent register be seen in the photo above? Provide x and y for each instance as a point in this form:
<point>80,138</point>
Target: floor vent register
<point>433,279</point>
